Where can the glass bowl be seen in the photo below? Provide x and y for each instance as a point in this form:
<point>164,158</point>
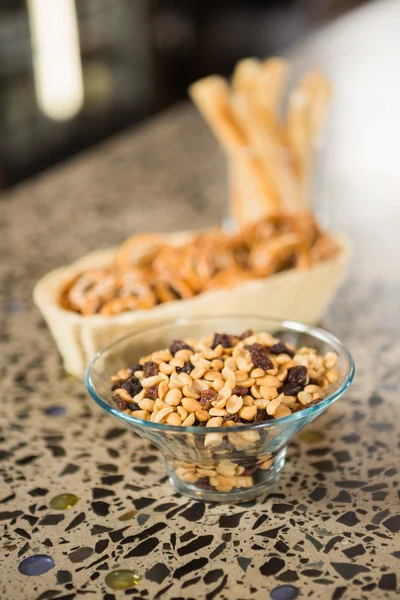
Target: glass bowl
<point>219,464</point>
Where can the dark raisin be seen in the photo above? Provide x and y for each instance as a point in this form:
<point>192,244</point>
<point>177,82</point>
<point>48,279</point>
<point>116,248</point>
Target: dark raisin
<point>262,416</point>
<point>117,384</point>
<point>312,381</point>
<point>256,347</point>
<point>177,345</point>
<point>250,470</point>
<point>297,376</point>
<point>136,367</point>
<point>261,360</point>
<point>187,368</point>
<point>207,396</point>
<point>204,483</point>
<point>132,386</point>
<point>234,418</point>
<point>152,392</point>
<point>120,403</point>
<point>150,368</point>
<point>291,390</point>
<point>246,334</point>
<point>281,348</point>
<point>313,402</point>
<point>133,406</point>
<point>240,390</point>
<point>224,339</point>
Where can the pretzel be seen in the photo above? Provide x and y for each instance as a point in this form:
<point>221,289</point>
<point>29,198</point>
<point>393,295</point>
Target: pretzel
<point>139,250</point>
<point>88,291</point>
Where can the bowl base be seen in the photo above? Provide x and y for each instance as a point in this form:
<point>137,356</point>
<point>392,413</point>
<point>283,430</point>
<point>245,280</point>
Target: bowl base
<point>270,479</point>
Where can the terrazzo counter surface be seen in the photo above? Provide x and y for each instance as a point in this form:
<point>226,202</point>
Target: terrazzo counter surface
<point>330,530</point>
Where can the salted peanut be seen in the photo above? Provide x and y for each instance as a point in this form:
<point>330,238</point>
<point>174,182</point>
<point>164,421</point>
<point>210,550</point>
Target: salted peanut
<point>159,404</point>
<point>199,361</point>
<point>239,470</point>
<point>166,369</point>
<point>202,415</point>
<point>213,480</point>
<point>123,374</point>
<point>224,393</point>
<point>182,412</point>
<point>176,384</point>
<point>225,463</point>
<point>223,488</point>
<point>244,482</point>
<point>190,392</point>
<point>217,385</point>
<point>332,375</point>
<point>269,393</point>
<point>219,403</point>
<point>230,363</point>
<point>268,381</point>
<point>180,463</point>
<point>183,470</point>
<point>197,372</point>
<point>123,394</point>
<point>255,391</point>
<point>241,376</point>
<point>203,472</point>
<point>173,397</point>
<point>162,389</point>
<point>217,364</point>
<point>243,364</point>
<point>216,353</point>
<point>212,375</point>
<point>273,405</point>
<point>313,389</point>
<point>183,355</point>
<point>248,382</point>
<point>162,355</point>
<point>147,404</point>
<point>324,383</point>
<point>229,423</point>
<point>248,413</point>
<point>316,397</point>
<point>191,405</point>
<point>282,374</point>
<point>233,404</point>
<point>174,419</point>
<point>281,359</point>
<point>289,401</point>
<point>255,373</point>
<point>217,412</point>
<point>250,436</point>
<point>139,396</point>
<point>141,414</point>
<point>330,360</point>
<point>223,480</point>
<point>189,421</point>
<point>282,411</point>
<point>226,472</point>
<point>185,378</point>
<point>228,374</point>
<point>200,385</point>
<point>161,414</point>
<point>266,464</point>
<point>114,378</point>
<point>176,362</point>
<point>127,411</point>
<point>215,422</point>
<point>261,403</point>
<point>312,373</point>
<point>190,477</point>
<point>230,383</point>
<point>273,371</point>
<point>150,381</point>
<point>213,439</point>
<point>304,398</point>
<point>248,400</point>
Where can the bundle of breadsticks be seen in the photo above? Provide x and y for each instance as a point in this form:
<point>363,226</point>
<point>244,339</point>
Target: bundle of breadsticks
<point>270,148</point>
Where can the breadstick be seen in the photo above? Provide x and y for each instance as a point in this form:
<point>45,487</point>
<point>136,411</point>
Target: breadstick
<point>298,134</point>
<point>319,91</point>
<point>246,73</point>
<point>211,95</point>
<point>270,85</point>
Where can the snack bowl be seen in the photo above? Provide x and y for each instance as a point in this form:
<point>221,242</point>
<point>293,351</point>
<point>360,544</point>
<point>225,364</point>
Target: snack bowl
<point>218,464</point>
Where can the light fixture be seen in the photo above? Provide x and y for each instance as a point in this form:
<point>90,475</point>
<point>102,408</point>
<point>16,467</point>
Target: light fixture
<point>56,57</point>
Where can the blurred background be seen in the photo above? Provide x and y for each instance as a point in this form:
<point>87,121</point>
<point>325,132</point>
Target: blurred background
<point>74,72</point>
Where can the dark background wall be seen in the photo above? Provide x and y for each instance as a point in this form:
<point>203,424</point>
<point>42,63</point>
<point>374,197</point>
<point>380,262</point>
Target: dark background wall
<point>138,56</point>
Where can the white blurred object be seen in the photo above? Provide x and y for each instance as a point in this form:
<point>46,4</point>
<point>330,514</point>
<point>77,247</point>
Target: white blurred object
<point>56,57</point>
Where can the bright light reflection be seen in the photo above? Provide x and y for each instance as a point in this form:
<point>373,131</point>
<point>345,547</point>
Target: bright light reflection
<point>56,55</point>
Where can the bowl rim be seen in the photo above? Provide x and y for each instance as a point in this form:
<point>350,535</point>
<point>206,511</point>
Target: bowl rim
<point>316,332</point>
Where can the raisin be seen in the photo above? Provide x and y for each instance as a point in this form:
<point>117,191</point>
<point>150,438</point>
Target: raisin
<point>297,376</point>
<point>313,402</point>
<point>204,484</point>
<point>132,386</point>
<point>136,367</point>
<point>250,470</point>
<point>224,339</point>
<point>234,418</point>
<point>312,381</point>
<point>150,368</point>
<point>239,390</point>
<point>120,403</point>
<point>187,368</point>
<point>262,416</point>
<point>152,392</point>
<point>207,396</point>
<point>281,348</point>
<point>261,360</point>
<point>256,347</point>
<point>133,406</point>
<point>117,384</point>
<point>177,345</point>
<point>246,334</point>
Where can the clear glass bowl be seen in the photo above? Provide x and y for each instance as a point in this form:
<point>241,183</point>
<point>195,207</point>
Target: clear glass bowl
<point>219,464</point>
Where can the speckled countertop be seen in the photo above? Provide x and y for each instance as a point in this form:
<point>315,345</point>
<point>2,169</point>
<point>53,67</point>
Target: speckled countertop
<point>331,530</point>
